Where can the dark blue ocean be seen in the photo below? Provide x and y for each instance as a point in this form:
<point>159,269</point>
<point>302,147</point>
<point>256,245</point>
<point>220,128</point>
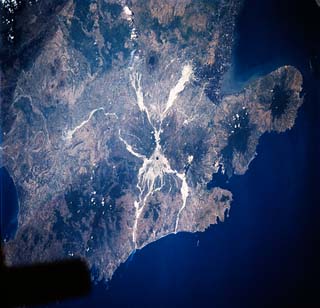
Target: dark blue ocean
<point>8,206</point>
<point>264,254</point>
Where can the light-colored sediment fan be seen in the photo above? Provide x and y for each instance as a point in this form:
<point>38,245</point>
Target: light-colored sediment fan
<point>151,174</point>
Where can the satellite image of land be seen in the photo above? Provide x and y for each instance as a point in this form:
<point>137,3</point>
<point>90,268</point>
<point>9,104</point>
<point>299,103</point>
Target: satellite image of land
<point>114,119</point>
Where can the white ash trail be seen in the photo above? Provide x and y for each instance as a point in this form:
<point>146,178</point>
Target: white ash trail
<point>153,169</point>
<point>184,193</point>
<point>130,149</point>
<point>179,87</point>
<point>69,134</point>
<point>136,84</point>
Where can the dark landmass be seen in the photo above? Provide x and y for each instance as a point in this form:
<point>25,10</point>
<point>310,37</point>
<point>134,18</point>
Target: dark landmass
<point>114,124</point>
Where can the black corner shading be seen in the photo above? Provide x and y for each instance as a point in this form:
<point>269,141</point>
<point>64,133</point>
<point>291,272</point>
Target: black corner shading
<point>43,283</point>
